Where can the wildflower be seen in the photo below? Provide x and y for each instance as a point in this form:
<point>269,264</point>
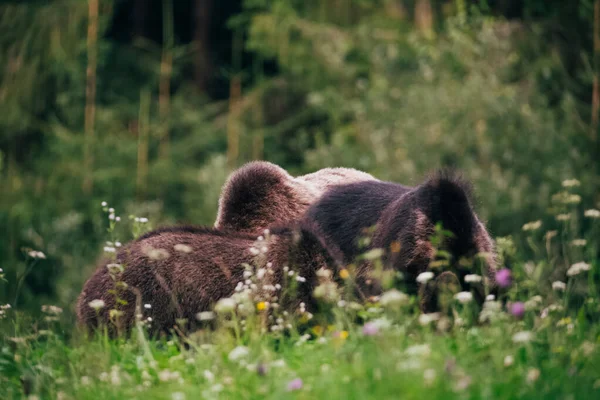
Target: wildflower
<point>504,277</point>
<point>429,376</point>
<point>370,329</point>
<point>490,297</point>
<point>522,337</point>
<point>533,303</point>
<point>261,306</point>
<point>324,273</point>
<point>570,183</point>
<point>393,298</point>
<point>473,278</point>
<point>114,268</point>
<point>532,226</point>
<point>260,273</point>
<point>295,384</point>
<point>97,304</point>
<point>577,268</point>
<point>109,249</point>
<point>464,297</point>
<point>463,383</point>
<point>183,248</point>
<point>559,286</point>
<point>104,204</point>
<point>418,350</point>
<point>300,279</point>
<point>326,291</point>
<point>225,305</point>
<point>578,242</point>
<point>508,360</point>
<point>85,380</point>
<point>426,319</point>
<point>563,217</point>
<point>254,251</point>
<point>205,316</point>
<point>344,274</point>
<point>592,213</point>
<point>425,277</point>
<point>156,254</point>
<point>143,220</point>
<point>532,375</point>
<point>343,335</point>
<point>238,353</point>
<point>550,234</point>
<point>177,396</point>
<point>52,310</point>
<point>517,309</point>
<point>37,255</point>
<point>208,375</point>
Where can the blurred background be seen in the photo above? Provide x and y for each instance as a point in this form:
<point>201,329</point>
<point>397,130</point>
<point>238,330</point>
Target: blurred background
<point>149,104</point>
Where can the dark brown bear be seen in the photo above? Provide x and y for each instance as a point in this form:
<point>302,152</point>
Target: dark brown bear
<point>261,194</point>
<point>404,219</point>
<point>182,271</point>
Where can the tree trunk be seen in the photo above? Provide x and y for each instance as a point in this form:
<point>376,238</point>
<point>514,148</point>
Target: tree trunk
<point>203,67</point>
<point>90,96</point>
<point>424,16</point>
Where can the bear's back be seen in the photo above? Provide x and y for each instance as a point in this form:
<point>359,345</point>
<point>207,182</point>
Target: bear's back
<point>343,213</point>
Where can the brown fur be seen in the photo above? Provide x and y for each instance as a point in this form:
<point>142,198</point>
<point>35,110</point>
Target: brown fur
<point>179,284</point>
<point>261,194</point>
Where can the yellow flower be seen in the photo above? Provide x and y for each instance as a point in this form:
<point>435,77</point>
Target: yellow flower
<point>261,306</point>
<point>343,335</point>
<point>344,274</point>
<point>317,330</point>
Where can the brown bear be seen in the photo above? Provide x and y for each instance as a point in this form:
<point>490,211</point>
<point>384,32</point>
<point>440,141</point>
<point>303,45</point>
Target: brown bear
<point>261,194</point>
<point>404,220</point>
<point>174,273</point>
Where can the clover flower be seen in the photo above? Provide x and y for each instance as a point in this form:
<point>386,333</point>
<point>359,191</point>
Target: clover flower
<point>504,278</point>
<point>295,384</point>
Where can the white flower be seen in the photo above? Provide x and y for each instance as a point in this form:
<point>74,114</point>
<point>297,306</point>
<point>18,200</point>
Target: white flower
<point>254,251</point>
<point>104,204</point>
<point>238,353</point>
<point>183,248</point>
<point>225,305</point>
<point>97,304</point>
<point>419,350</point>
<point>473,278</point>
<point>393,297</point>
<point>260,273</point>
<point>532,375</point>
<point>532,226</point>
<point>37,254</point>
<point>563,217</point>
<point>208,375</point>
<point>578,242</point>
<point>508,361</point>
<point>205,316</point>
<point>109,249</point>
<point>577,268</point>
<point>426,319</point>
<point>143,220</point>
<point>570,183</point>
<point>559,286</point>
<point>522,337</point>
<point>177,396</point>
<point>464,297</point>
<point>490,297</point>
<point>147,306</point>
<point>592,213</point>
<point>425,277</point>
<point>429,376</point>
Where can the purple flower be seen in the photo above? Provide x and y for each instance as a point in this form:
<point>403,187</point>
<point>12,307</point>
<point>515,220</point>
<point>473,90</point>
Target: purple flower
<point>504,278</point>
<point>370,329</point>
<point>517,309</point>
<point>295,384</point>
<point>262,369</point>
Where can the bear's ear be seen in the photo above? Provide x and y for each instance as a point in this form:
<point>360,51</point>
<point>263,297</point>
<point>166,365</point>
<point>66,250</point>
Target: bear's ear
<point>246,199</point>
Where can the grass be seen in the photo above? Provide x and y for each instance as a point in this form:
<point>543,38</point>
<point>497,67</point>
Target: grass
<point>539,341</point>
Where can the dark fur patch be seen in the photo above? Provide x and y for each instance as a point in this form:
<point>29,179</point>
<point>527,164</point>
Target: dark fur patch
<point>403,219</point>
<point>181,271</point>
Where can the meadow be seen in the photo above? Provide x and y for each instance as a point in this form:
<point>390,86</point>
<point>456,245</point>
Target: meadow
<point>111,127</point>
